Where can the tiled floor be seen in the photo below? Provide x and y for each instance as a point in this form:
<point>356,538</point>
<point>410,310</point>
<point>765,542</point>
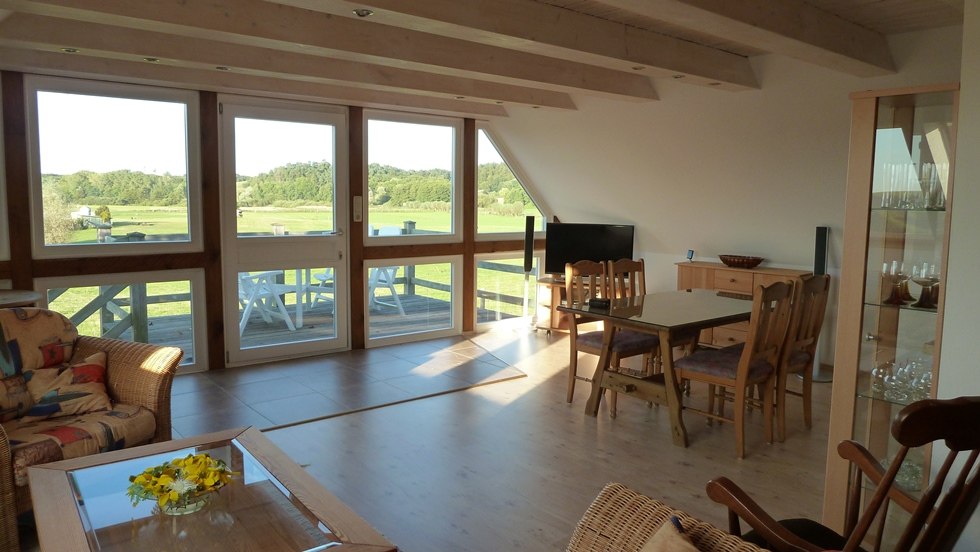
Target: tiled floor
<point>288,392</point>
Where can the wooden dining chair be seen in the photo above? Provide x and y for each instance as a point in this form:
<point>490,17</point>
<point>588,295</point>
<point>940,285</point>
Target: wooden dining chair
<point>800,348</point>
<point>746,365</point>
<point>937,513</point>
<point>627,278</point>
<point>585,280</point>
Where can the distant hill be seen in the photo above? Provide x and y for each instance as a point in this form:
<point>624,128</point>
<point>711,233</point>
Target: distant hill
<point>294,184</point>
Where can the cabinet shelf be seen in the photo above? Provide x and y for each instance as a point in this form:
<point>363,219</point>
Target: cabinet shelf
<point>932,310</point>
<point>909,209</point>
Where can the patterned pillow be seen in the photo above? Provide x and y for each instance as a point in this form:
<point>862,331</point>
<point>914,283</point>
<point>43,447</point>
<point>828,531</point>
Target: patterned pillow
<point>68,390</point>
<point>15,400</point>
<point>34,338</point>
<point>669,538</point>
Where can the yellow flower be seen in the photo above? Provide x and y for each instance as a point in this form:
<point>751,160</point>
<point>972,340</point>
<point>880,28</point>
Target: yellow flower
<point>179,479</point>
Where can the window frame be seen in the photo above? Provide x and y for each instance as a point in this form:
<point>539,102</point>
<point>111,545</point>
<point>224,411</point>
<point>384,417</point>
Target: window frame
<point>455,300</point>
<point>456,208</point>
<point>538,256</point>
<point>194,275</point>
<point>539,230</point>
<point>191,99</point>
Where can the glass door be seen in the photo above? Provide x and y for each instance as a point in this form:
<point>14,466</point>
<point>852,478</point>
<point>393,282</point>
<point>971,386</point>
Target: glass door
<point>906,246</point>
<point>284,211</point>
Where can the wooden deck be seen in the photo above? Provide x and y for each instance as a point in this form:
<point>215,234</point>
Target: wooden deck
<point>421,314</point>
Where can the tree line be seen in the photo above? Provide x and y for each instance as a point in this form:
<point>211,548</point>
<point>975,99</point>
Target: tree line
<point>291,185</point>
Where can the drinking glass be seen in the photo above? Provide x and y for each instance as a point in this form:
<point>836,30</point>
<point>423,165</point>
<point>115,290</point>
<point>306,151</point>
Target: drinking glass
<point>927,276</point>
<point>896,275</point>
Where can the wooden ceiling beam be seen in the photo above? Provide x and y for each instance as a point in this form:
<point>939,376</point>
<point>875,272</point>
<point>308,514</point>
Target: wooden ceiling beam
<point>287,28</point>
<point>82,66</point>
<point>531,26</point>
<point>788,27</point>
<point>94,39</point>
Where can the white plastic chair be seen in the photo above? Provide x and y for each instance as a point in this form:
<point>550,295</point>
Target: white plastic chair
<point>258,293</point>
<point>324,289</point>
<point>384,276</point>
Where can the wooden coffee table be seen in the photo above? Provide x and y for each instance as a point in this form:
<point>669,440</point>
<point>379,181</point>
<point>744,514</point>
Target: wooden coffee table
<point>271,504</point>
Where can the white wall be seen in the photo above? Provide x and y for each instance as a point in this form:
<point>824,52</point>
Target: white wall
<point>749,173</point>
<point>960,356</point>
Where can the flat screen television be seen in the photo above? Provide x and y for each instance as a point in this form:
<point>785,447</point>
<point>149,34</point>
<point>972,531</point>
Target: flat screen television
<point>572,242</point>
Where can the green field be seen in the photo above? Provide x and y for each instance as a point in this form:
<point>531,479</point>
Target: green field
<point>173,221</point>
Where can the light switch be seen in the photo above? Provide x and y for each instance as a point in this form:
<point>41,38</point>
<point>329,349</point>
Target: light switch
<point>357,207</point>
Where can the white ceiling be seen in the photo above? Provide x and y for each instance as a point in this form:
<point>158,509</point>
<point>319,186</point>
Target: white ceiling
<point>472,57</point>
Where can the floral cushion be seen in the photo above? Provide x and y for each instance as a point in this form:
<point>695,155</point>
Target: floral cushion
<point>15,400</point>
<point>799,358</point>
<point>722,363</point>
<point>34,338</point>
<point>68,390</point>
<point>38,442</point>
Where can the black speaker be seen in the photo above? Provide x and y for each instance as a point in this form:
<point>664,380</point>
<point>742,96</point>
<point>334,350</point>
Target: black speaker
<point>820,250</point>
<point>528,244</point>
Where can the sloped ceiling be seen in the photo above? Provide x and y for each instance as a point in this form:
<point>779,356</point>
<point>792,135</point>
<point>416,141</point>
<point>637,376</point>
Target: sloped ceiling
<point>469,57</point>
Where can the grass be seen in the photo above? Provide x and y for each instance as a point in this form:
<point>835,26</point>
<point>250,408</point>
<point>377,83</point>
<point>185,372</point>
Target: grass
<point>163,221</point>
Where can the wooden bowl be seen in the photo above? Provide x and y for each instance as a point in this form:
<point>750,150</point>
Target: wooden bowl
<point>740,261</point>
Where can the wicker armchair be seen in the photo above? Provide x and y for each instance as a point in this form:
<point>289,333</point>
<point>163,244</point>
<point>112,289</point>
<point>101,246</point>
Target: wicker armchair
<point>622,520</point>
<point>138,374</point>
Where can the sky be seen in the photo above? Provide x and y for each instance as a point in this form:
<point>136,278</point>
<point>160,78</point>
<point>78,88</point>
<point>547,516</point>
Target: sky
<point>79,132</point>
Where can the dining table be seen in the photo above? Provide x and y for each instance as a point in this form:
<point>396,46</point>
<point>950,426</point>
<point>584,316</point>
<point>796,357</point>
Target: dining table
<point>677,317</point>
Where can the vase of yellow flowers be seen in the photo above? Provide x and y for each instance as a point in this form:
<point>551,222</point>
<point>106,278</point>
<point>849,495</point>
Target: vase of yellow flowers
<point>182,485</point>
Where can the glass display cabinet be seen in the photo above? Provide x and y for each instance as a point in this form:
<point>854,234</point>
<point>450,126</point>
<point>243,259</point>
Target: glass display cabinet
<point>896,223</point>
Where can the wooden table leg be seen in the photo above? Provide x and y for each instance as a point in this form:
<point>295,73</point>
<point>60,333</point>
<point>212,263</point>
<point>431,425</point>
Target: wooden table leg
<point>592,406</point>
<point>678,432</point>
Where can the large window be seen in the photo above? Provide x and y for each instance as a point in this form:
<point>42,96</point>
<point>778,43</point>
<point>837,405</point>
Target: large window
<point>406,298</point>
<point>114,168</point>
<point>160,308</point>
<point>503,291</point>
<point>412,176</point>
<point>502,201</point>
<point>284,177</point>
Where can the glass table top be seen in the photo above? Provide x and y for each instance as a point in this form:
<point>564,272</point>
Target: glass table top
<point>671,310</point>
<point>254,511</point>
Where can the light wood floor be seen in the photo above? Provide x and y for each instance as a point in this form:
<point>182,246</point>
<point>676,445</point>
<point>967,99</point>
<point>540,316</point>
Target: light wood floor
<point>512,466</point>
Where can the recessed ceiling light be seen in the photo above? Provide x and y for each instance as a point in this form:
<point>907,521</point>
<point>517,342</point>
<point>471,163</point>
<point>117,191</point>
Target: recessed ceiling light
<point>498,102</point>
<point>70,50</point>
<point>679,76</point>
<point>151,59</point>
<point>638,67</point>
<point>460,97</point>
<point>221,68</point>
<point>363,12</point>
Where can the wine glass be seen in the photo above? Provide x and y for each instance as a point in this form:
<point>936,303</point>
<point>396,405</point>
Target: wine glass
<point>897,276</point>
<point>926,276</point>
<point>878,376</point>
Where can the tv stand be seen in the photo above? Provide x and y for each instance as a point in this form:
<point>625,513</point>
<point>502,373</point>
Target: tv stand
<point>551,292</point>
